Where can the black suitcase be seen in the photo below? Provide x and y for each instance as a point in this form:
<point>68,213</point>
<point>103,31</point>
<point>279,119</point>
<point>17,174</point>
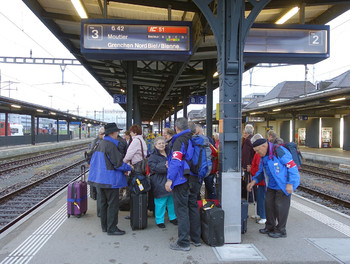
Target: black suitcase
<point>93,193</point>
<point>212,223</point>
<point>244,216</point>
<point>138,211</point>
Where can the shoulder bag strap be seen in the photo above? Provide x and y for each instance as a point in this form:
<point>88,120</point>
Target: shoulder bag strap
<point>143,155</point>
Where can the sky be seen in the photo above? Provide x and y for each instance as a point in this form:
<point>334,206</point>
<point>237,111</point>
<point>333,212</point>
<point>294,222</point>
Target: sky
<point>23,34</point>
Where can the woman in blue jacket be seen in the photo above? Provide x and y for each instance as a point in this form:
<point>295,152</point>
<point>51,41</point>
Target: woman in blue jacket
<point>158,166</point>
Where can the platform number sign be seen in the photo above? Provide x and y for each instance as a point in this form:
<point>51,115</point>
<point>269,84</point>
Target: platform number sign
<point>315,38</point>
<point>198,99</point>
<point>95,32</point>
<point>119,99</point>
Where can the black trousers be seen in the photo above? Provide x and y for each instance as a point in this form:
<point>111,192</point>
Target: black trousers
<point>109,207</point>
<point>187,212</point>
<point>277,205</point>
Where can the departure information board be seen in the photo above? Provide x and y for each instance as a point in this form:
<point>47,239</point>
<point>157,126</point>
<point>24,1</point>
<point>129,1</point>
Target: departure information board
<point>120,37</point>
<point>287,43</point>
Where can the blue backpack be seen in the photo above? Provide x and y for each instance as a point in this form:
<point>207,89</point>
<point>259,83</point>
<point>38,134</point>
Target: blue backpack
<point>293,149</point>
<point>200,164</point>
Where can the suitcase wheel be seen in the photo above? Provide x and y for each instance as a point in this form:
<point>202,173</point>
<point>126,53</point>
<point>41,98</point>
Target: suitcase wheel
<point>78,215</point>
<point>68,215</point>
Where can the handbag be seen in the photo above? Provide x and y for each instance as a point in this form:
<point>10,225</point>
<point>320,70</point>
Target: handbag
<point>141,166</point>
<point>139,184</point>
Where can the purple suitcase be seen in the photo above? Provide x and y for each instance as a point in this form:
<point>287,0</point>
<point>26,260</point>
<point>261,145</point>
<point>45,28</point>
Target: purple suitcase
<point>77,196</point>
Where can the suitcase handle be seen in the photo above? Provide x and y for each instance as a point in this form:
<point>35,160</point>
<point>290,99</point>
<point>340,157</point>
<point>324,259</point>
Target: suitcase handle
<point>83,170</point>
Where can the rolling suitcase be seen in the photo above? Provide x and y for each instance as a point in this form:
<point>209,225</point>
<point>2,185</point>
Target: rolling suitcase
<point>212,224</point>
<point>77,196</point>
<point>138,211</point>
<point>244,216</point>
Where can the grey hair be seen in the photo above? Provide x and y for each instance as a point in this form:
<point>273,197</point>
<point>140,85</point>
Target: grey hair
<point>249,129</point>
<point>272,133</point>
<point>169,131</point>
<point>192,127</point>
<point>255,138</point>
<point>155,141</point>
<point>101,130</point>
<point>181,123</point>
<point>199,128</point>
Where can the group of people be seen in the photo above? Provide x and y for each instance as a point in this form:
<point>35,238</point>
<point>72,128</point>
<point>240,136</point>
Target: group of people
<point>275,175</point>
<point>176,189</point>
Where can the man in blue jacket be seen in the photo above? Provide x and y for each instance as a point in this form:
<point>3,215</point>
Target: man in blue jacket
<point>185,188</point>
<point>282,178</point>
<point>107,175</point>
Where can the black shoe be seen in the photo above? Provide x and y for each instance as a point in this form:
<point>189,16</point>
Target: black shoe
<point>175,246</point>
<point>118,232</point>
<point>277,234</point>
<point>174,222</point>
<point>161,225</point>
<point>265,231</point>
<point>127,217</point>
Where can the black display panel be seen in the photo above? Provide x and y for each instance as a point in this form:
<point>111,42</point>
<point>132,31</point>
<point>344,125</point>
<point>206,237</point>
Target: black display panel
<point>134,39</point>
<point>297,44</point>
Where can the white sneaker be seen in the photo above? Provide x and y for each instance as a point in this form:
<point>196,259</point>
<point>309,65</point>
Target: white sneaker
<point>262,221</point>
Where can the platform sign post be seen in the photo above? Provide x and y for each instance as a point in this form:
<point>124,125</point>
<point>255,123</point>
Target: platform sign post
<point>119,98</point>
<point>197,99</point>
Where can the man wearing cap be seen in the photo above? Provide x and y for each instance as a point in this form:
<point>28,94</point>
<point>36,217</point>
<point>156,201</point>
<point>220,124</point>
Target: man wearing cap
<point>282,178</point>
<point>107,174</point>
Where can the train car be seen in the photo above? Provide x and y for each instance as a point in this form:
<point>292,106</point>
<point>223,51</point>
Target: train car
<point>16,130</point>
<point>2,129</point>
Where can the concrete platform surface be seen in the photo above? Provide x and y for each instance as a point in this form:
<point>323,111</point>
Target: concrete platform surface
<point>48,236</point>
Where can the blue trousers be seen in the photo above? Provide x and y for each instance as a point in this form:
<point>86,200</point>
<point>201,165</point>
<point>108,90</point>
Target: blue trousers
<point>260,199</point>
<point>160,205</point>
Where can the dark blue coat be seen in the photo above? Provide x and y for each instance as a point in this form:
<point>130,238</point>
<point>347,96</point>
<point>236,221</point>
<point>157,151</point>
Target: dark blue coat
<point>107,167</point>
<point>158,172</point>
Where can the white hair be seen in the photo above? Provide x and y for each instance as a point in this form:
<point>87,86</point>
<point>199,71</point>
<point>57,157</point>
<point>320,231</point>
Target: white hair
<point>249,129</point>
<point>255,138</point>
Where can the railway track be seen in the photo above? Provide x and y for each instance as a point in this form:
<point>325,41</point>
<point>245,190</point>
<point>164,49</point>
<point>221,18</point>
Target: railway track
<point>334,175</point>
<point>18,204</point>
<point>325,196</point>
<point>34,160</point>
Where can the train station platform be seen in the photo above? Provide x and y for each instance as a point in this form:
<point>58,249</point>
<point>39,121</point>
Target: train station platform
<point>327,155</point>
<point>11,151</point>
<point>316,234</point>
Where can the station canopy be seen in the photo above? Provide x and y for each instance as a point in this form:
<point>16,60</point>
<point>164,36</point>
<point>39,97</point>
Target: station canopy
<point>161,84</point>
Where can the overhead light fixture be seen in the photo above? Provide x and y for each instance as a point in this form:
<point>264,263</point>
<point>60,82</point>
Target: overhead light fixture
<point>40,111</point>
<point>216,74</point>
<point>122,90</point>
<point>16,106</point>
<point>52,113</point>
<point>254,113</point>
<point>288,15</point>
<point>180,102</point>
<point>79,8</point>
<point>337,99</point>
<point>151,123</point>
<point>111,70</point>
<point>276,110</point>
<point>73,117</point>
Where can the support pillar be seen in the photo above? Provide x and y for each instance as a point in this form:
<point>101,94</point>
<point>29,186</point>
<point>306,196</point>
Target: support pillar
<point>184,101</point>
<point>230,28</point>
<point>175,112</point>
<point>6,124</point>
<point>32,129</point>
<point>137,114</point>
<point>208,69</point>
<point>58,130</point>
<point>129,93</point>
<point>293,128</point>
